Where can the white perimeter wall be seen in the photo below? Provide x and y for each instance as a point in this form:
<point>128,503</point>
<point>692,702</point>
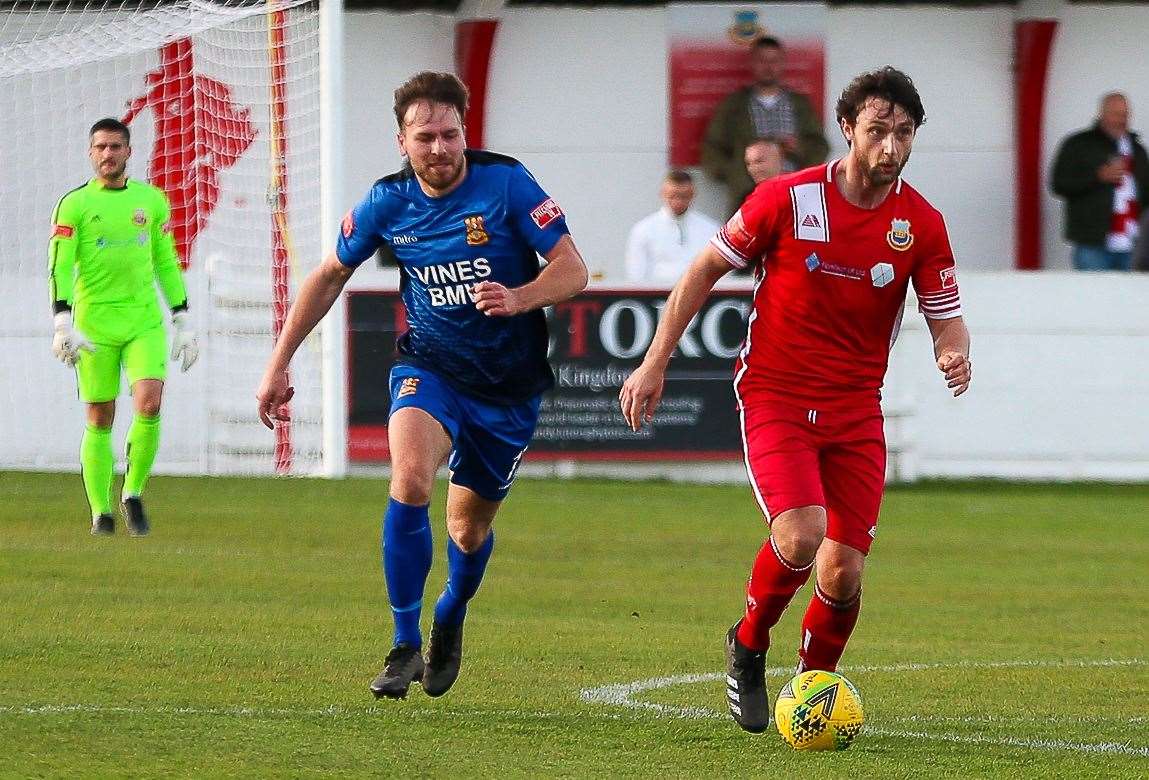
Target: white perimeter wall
<point>580,96</point>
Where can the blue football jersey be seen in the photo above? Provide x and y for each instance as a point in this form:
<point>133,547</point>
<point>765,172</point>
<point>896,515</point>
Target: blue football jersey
<point>488,229</point>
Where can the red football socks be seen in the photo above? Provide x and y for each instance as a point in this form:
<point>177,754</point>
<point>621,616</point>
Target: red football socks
<point>773,583</point>
<point>825,630</point>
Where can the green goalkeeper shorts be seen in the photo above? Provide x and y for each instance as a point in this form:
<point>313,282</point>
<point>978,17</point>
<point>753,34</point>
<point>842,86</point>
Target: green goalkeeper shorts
<point>141,352</point>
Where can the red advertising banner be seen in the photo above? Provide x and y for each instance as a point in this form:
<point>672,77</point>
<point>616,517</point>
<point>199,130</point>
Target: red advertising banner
<point>710,58</point>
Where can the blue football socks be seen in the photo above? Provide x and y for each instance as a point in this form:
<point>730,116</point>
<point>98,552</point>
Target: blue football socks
<point>406,564</point>
<point>464,574</point>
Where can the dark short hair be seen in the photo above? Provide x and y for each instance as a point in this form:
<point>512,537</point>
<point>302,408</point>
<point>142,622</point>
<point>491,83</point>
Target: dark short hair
<point>435,87</point>
<point>679,176</point>
<point>766,42</point>
<point>113,125</point>
<point>887,83</point>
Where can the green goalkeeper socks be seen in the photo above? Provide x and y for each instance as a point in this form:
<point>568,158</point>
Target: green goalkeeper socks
<point>143,443</point>
<point>96,463</point>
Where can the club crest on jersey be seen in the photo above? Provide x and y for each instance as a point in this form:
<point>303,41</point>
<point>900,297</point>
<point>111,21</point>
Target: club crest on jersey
<point>882,274</point>
<point>476,232</point>
<point>409,386</point>
<point>140,217</point>
<point>900,238</point>
<point>545,213</point>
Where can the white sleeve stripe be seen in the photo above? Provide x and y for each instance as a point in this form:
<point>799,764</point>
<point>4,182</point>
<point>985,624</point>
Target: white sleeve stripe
<point>730,253</point>
<point>946,307</point>
<point>724,236</point>
<point>949,315</point>
<point>942,296</point>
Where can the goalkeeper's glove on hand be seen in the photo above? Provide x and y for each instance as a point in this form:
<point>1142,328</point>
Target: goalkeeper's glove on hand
<point>184,344</point>
<point>68,341</point>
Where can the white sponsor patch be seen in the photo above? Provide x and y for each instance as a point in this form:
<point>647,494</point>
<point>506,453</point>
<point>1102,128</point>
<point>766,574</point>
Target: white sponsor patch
<point>810,220</point>
<point>546,212</point>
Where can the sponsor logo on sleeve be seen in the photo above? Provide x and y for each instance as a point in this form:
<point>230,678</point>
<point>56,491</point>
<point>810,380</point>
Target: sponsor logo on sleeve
<point>348,225</point>
<point>546,212</point>
<point>737,235</point>
<point>477,233</point>
<point>949,277</point>
<point>63,231</point>
<point>140,217</point>
<point>899,237</point>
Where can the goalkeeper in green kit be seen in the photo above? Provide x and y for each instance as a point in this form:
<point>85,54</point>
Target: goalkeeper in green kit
<point>111,242</point>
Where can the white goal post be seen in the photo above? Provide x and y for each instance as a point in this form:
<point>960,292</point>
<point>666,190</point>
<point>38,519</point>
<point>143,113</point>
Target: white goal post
<point>227,102</point>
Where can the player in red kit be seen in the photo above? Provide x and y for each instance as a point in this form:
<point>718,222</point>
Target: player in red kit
<point>835,248</point>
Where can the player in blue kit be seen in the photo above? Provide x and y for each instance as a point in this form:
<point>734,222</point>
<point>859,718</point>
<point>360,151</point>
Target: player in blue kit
<point>466,228</point>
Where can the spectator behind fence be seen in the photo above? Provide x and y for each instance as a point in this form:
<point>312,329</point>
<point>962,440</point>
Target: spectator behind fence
<point>763,109</point>
<point>764,160</point>
<point>1103,175</point>
<point>661,245</point>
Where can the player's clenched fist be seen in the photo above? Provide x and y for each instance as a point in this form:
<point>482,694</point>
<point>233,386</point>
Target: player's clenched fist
<point>640,395</point>
<point>957,369</point>
<point>273,396</point>
<point>496,300</point>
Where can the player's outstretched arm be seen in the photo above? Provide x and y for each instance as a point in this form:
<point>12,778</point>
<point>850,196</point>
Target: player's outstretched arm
<point>642,390</point>
<point>564,276</point>
<point>319,290</point>
<point>951,351</point>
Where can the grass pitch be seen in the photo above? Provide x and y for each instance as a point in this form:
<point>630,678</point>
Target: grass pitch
<point>1004,633</point>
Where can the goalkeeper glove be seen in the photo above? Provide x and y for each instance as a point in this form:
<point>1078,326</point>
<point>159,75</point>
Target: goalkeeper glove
<point>184,343</point>
<point>68,341</point>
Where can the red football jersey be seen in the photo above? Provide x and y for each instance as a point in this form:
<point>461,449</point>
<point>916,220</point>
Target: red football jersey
<point>828,306</point>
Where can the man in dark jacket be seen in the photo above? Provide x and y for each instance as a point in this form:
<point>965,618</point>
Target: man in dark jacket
<point>1103,174</point>
<point>764,109</point>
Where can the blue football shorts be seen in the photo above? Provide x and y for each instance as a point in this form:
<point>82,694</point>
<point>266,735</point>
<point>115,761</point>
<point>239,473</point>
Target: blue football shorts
<point>488,439</point>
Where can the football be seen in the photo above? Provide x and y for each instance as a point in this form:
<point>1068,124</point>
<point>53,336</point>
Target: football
<point>819,710</point>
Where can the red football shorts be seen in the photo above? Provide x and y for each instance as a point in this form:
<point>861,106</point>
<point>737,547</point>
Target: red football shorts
<point>799,457</point>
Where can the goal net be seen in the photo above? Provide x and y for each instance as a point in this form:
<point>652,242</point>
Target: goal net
<point>222,98</point>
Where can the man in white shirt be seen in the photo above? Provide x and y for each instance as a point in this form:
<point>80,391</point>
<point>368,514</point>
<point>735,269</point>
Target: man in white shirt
<point>662,245</point>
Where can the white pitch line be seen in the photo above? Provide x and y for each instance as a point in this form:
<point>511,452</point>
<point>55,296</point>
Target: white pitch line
<point>1106,748</point>
<point>622,695</point>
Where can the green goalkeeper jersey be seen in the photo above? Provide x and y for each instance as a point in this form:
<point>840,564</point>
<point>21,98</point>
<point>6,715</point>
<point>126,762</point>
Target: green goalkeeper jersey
<point>109,247</point>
